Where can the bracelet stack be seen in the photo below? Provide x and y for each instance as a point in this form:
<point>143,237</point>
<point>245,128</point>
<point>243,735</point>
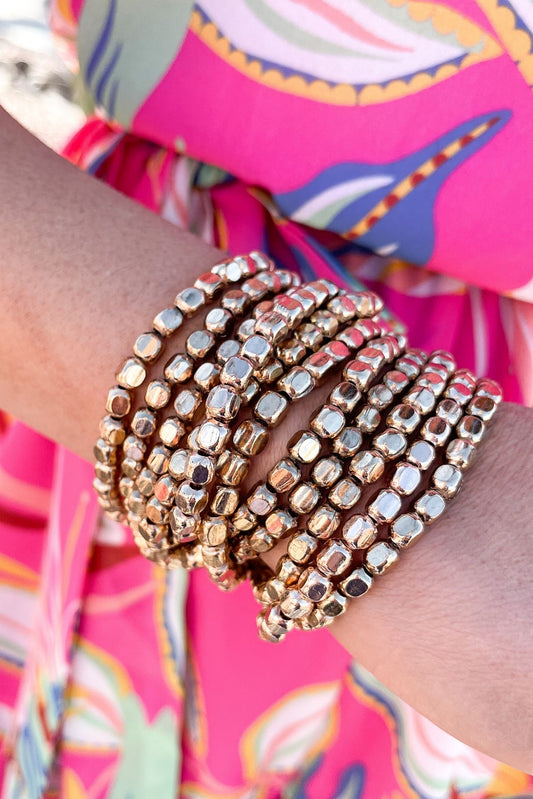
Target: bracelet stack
<point>376,465</point>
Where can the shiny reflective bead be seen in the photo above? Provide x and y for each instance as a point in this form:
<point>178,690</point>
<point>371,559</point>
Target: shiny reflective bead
<point>155,534</point>
<point>147,347</point>
<point>303,498</point>
<point>292,352</point>
<point>482,407</point>
<point>272,627</point>
<point>443,358</point>
<point>343,307</point>
<point>334,559</point>
<point>165,490</point>
<point>137,502</point>
<point>301,547</point>
<point>367,303</point>
<point>209,283</point>
<point>328,421</point>
<point>326,321</point>
<point>386,506</point>
<point>132,374</point>
<point>250,392</point>
<point>404,417</point>
<point>409,366</point>
<point>391,443</point>
<point>489,388</point>
<point>449,410</point>
<point>271,408</point>
<point>145,482</point>
<point>406,529</point>
<point>290,309</point>
<point>261,541</point>
<point>262,307</point>
<point>358,582</point>
<point>359,373</point>
<point>104,452</point>
<point>243,519</point>
<point>297,383</point>
<point>187,403</point>
<point>199,469</point>
<point>306,298</point>
<point>344,494</point>
<point>168,321</point>
<point>178,369</point>
<point>218,321</point>
<point>255,288</point>
<point>319,364</point>
<point>157,394</point>
<point>284,475</point>
<point>421,454</point>
<point>466,377</point>
<point>348,442</point>
<point>235,301</point>
<point>272,327</point>
<point>367,466</point>
<point>176,464</point>
<point>380,557</point>
<point>237,372</point>
<point>104,472</point>
<point>351,337</point>
<point>118,402</point>
<point>171,432</point>
<point>380,396</point>
<point>406,478</point>
<point>134,447</point>
<point>229,348</point>
<point>460,452</point>
<point>436,430</point>
<point>471,428</point>
<point>304,446</point>
<point>279,522</point>
<point>310,335</point>
<point>212,437</point>
<point>198,343</point>
<point>447,479</point>
<point>371,356</point>
<point>388,346</point>
<point>225,500</point>
<point>250,437</point>
<point>430,506</point>
<point>294,604</point>
<point>261,500</point>
<point>459,393</point>
<point>231,270</point>
<point>368,419</point>
<point>207,375</point>
<point>319,290</point>
<point>314,585</point>
<point>143,423</point>
<point>338,351</point>
<point>396,381</point>
<point>215,558</point>
<point>156,512</point>
<point>112,430</point>
<point>269,373</point>
<point>287,571</point>
<point>270,592</point>
<point>359,531</point>
<point>190,300</point>
<point>327,471</point>
<point>324,521</point>
<point>223,403</point>
<point>423,399</point>
<point>183,526</point>
<point>232,468</point>
<point>345,396</point>
<point>130,467</point>
<point>213,531</point>
<point>190,499</point>
<point>333,605</point>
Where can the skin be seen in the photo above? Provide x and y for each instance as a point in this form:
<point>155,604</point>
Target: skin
<point>84,270</point>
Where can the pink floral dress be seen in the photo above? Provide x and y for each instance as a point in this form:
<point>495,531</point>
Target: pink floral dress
<point>382,141</point>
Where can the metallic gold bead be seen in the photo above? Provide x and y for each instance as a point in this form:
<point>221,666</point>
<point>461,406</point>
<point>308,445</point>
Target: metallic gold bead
<point>272,327</point>
<point>301,547</point>
<point>391,443</point>
<point>406,478</point>
<point>294,604</point>
<point>147,347</point>
<point>380,396</point>
<point>262,307</point>
<point>199,469</point>
<point>319,364</point>
<point>209,283</point>
<point>245,329</point>
<point>215,558</point>
<point>168,321</point>
<point>343,307</point>
<point>395,380</point>
<point>279,522</point>
<point>423,399</point>
<point>261,500</point>
<point>134,448</point>
<point>388,346</point>
<point>213,531</point>
<point>146,480</point>
<point>218,321</point>
<point>190,300</point>
<point>236,301</point>
<point>178,369</point>
<point>156,512</point>
<point>334,559</point>
<point>359,531</point>
<point>104,452</point>
<point>371,356</point>
<point>207,375</point>
<point>406,529</point>
<point>436,430</point>
<point>287,571</point>
<point>171,432</point>
<point>125,484</point>
<point>198,343</point>
<point>212,437</point>
<point>358,373</point>
<point>223,403</point>
<point>165,490</point>
<point>271,591</point>
<point>358,582</point>
<point>243,519</point>
<point>155,534</point>
<point>130,467</point>
<point>291,352</point>
<point>132,374</point>
<point>351,337</point>
<point>344,494</point>
<point>489,388</point>
<point>345,396</point>
<point>320,292</point>
<point>303,498</point>
<point>137,502</point>
<point>190,499</point>
<point>368,419</point>
<point>461,453</point>
<point>176,464</point>
<point>380,557</point>
<point>187,403</point>
<point>443,358</point>
<point>307,299</point>
<point>338,351</point>
<point>328,421</point>
<point>449,410</point>
<point>447,479</point>
<point>432,380</point>
<point>261,541</point>
<point>471,428</point>
<point>105,490</point>
<point>369,328</point>
<point>269,373</point>
<point>231,270</point>
<point>422,454</point>
<point>333,605</point>
<point>314,585</point>
<point>143,423</point>
<point>112,430</point>
<point>483,407</point>
<point>225,500</point>
<point>232,468</point>
<point>347,442</point>
<point>310,335</point>
<point>430,506</point>
<point>256,288</point>
<point>367,466</point>
<point>386,506</point>
<point>157,394</point>
<point>104,472</point>
<point>270,629</point>
<point>284,475</point>
<point>323,521</point>
<point>237,372</point>
<point>257,350</point>
<point>459,392</point>
<point>327,471</point>
<point>250,392</point>
<point>304,446</point>
<point>409,366</point>
<point>297,383</point>
<point>250,437</point>
<point>290,309</point>
<point>316,620</point>
<point>229,348</point>
<point>466,377</point>
<point>118,402</point>
<point>326,321</point>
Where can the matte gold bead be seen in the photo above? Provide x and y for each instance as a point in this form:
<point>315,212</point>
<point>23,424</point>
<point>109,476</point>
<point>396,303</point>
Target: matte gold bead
<point>344,494</point>
<point>190,499</point>
<point>284,475</point>
<point>207,375</point>
<point>359,373</point>
<point>183,526</point>
<point>406,529</point>
<point>213,531</point>
<point>147,347</point>
<point>460,452</point>
<point>436,430</point>
<point>396,381</point>
<point>297,383</point>
<point>404,417</point>
<point>334,559</point>
<point>287,571</point>
<point>368,419</point>
<point>118,402</point>
<point>470,428</point>
<point>483,407</point>
<point>422,454</point>
<point>430,506</point>
<point>449,410</point>
<point>406,478</point>
<point>112,430</point>
<point>327,471</point>
<point>225,500</point>
<point>232,468</point>
<point>304,446</point>
<point>367,466</point>
<point>301,547</point>
<point>198,343</point>
<point>386,506</point>
<point>178,369</point>
<point>143,423</point>
<point>222,403</point>
<point>261,500</point>
<point>209,283</point>
<point>358,582</point>
<point>132,374</point>
<point>279,522</point>
<point>165,490</point>
<point>328,421</point>
<point>229,348</point>
<point>359,531</point>
<point>157,394</point>
<point>447,479</point>
<point>171,432</point>
<point>489,388</point>
<point>168,321</point>
<point>190,300</point>
<point>347,442</point>
<point>187,403</point>
<point>243,519</point>
<point>319,365</point>
<point>156,512</point>
<point>333,605</point>
<point>176,464</point>
<point>323,521</point>
<point>272,327</point>
<point>237,372</point>
<point>250,437</point>
<point>380,557</point>
<point>303,498</point>
<point>218,321</point>
<point>314,585</point>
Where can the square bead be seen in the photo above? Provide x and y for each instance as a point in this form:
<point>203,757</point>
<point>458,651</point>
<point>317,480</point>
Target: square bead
<point>250,437</point>
<point>460,452</point>
<point>168,321</point>
<point>314,585</point>
<point>209,283</point>
<point>395,380</point>
<point>190,300</point>
<point>345,396</point>
<point>471,429</point>
<point>176,464</point>
<point>449,410</point>
<point>359,373</point>
<point>327,471</point>
<point>198,343</point>
<point>218,321</point>
<point>301,547</point>
<point>284,475</point>
<point>212,437</point>
<point>178,369</point>
<point>191,499</point>
<point>328,421</point>
<point>229,348</point>
<point>386,506</point>
<point>132,374</point>
<point>359,531</point>
<point>391,443</point>
<point>294,605</point>
<point>347,442</point>
<point>157,394</point>
<point>262,500</point>
<point>356,584</point>
<point>246,329</point>
<point>406,529</point>
<point>207,375</point>
<point>319,364</point>
<point>187,403</point>
<point>352,337</point>
<point>406,478</point>
<point>430,506</point>
<point>290,309</point>
<point>333,605</point>
<point>447,479</point>
<point>303,498</point>
<point>326,321</point>
<point>224,501</point>
<point>223,402</point>
<point>304,446</point>
<point>272,327</point>
<point>271,408</point>
<point>458,392</point>
<point>243,519</point>
<point>367,466</point>
<point>371,356</point>
<point>237,372</point>
<point>436,430</point>
<point>232,468</point>
<point>380,557</point>
<point>271,372</point>
<point>323,521</point>
<point>171,432</point>
<point>199,469</point>
<point>489,388</point>
<point>310,336</point>
<point>235,301</point>
<point>297,383</point>
<point>380,396</point>
<point>279,522</point>
<point>147,347</point>
<point>143,423</point>
<point>292,352</point>
<point>422,454</point>
<point>344,494</point>
<point>368,419</point>
<point>334,559</point>
<point>118,402</point>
